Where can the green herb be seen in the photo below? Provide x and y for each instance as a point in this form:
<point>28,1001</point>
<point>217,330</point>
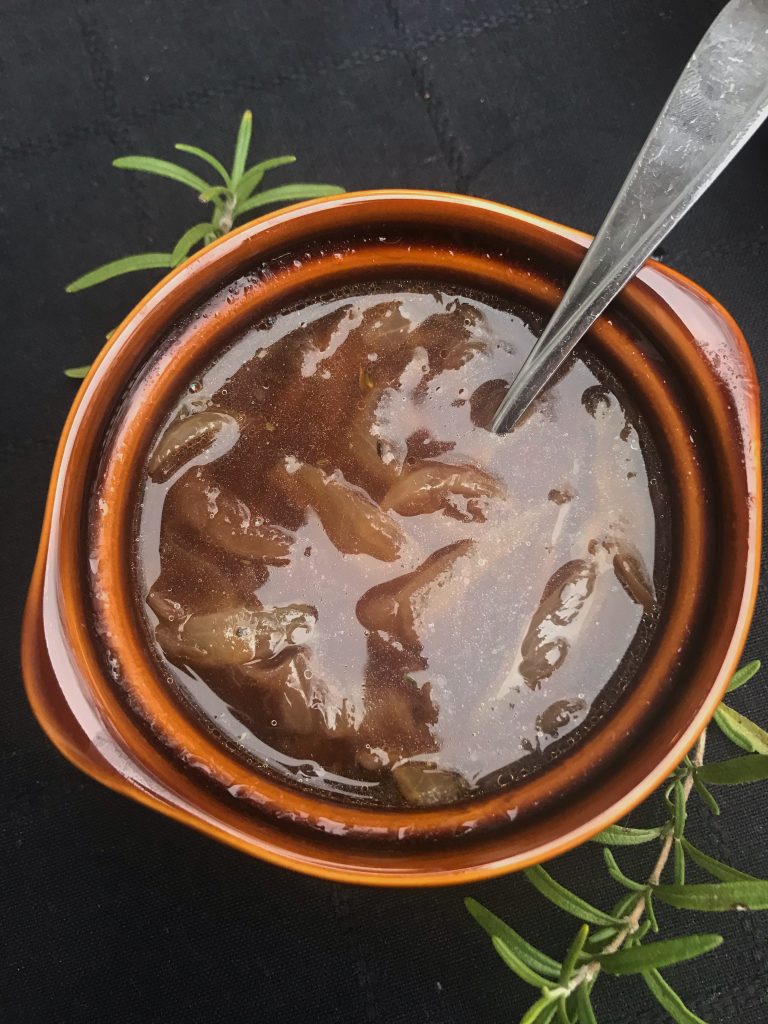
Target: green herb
<point>715,867</point>
<point>616,946</point>
<point>743,676</point>
<point>621,835</point>
<point>741,731</point>
<point>229,199</point>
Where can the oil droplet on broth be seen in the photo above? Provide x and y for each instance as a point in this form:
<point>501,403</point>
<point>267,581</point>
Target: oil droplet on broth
<point>386,601</point>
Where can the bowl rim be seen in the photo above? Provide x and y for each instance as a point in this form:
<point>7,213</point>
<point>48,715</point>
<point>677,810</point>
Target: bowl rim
<point>33,627</point>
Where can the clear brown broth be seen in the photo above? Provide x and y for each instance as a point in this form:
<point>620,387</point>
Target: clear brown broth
<point>354,583</point>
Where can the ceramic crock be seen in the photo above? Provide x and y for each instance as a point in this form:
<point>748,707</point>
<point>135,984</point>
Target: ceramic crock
<point>674,349</point>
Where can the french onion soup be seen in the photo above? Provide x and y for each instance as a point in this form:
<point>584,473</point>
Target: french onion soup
<point>356,586</point>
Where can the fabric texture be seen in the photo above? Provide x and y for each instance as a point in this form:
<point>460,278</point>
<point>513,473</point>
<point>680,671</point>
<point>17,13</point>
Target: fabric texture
<point>111,912</point>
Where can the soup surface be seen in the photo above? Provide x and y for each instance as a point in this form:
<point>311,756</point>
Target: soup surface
<point>353,583</point>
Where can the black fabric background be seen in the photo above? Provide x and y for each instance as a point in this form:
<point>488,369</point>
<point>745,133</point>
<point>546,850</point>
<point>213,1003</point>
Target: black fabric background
<point>110,912</point>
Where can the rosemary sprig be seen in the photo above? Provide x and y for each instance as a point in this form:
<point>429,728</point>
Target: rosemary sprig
<point>616,946</point>
<point>233,194</point>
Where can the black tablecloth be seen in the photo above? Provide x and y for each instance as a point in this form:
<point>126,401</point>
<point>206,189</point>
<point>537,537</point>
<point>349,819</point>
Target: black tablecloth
<point>110,912</point>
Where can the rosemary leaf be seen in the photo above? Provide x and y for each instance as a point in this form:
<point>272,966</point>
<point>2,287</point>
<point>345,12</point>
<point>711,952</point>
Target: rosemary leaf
<point>664,953</point>
<point>163,168</point>
<point>496,928</point>
<point>602,935</point>
<point>286,194</point>
<point>737,770</point>
<point>542,1011</point>
<point>565,899</point>
<point>214,193</point>
<point>253,176</point>
<point>516,964</point>
<point>716,868</point>
<point>562,1011</point>
<point>666,996</point>
<point>651,913</point>
<point>584,1005</point>
<point>189,240</point>
<point>743,675</point>
<point>624,906</point>
<point>679,809</point>
<point>143,261</point>
<point>716,896</point>
<point>574,951</point>
<point>741,731</point>
<point>622,835</point>
<point>679,863</point>
<point>618,875</point>
<point>242,145</point>
<point>209,158</point>
<point>707,798</point>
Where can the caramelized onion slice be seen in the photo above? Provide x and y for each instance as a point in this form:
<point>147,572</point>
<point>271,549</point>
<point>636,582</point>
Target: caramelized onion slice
<point>485,400</point>
<point>547,640</point>
<point>353,522</point>
<point>225,521</point>
<point>163,605</point>
<point>296,700</point>
<point>462,352</point>
<point>393,607</point>
<point>191,581</point>
<point>184,439</point>
<point>561,715</point>
<point>424,785</point>
<point>235,636</point>
<point>632,574</point>
<point>378,455</point>
<point>430,486</point>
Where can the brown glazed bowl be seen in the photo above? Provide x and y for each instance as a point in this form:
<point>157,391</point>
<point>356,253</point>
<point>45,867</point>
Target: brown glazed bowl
<point>672,346</point>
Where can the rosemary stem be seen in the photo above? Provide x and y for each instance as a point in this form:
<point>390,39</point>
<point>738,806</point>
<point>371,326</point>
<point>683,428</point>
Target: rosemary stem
<point>227,216</point>
<point>590,970</point>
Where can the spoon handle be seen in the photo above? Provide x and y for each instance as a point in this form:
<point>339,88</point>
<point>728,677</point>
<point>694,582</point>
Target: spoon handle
<point>718,102</point>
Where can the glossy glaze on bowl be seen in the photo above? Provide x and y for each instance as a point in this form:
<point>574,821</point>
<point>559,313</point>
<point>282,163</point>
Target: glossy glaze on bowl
<point>671,346</point>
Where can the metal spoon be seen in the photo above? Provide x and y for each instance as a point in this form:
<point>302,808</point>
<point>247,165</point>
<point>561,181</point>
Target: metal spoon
<point>718,102</point>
